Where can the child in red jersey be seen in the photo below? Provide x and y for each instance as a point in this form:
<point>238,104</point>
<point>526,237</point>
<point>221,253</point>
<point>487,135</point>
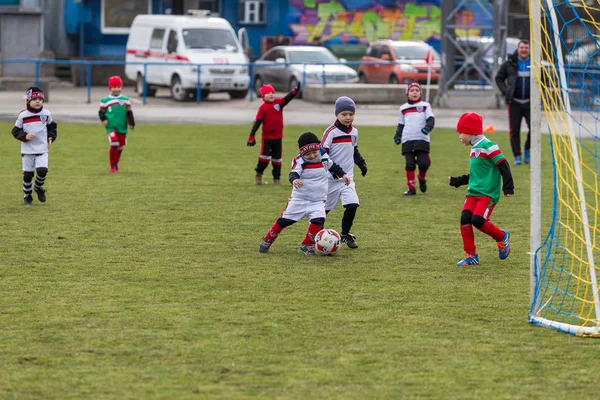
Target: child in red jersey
<point>270,114</point>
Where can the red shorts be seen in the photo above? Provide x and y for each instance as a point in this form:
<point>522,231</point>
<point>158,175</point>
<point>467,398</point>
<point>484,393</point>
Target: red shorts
<point>479,205</point>
<point>117,139</point>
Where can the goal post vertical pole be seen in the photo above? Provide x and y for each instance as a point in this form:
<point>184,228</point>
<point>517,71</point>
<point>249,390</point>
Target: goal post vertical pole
<point>576,161</point>
<point>535,221</point>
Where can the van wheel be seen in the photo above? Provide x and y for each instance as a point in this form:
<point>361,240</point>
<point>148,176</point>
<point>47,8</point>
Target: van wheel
<point>393,80</point>
<point>178,93</point>
<point>362,78</point>
<point>139,87</point>
<point>238,94</point>
<point>258,82</point>
<point>203,94</point>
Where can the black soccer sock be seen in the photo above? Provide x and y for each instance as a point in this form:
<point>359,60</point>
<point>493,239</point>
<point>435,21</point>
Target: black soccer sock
<point>40,178</point>
<point>348,218</point>
<point>261,166</point>
<point>27,186</point>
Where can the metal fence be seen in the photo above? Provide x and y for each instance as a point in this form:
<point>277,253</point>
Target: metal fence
<point>86,70</point>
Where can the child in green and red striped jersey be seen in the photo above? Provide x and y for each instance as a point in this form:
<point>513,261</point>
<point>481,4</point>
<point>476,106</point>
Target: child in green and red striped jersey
<point>487,165</point>
<point>116,115</point>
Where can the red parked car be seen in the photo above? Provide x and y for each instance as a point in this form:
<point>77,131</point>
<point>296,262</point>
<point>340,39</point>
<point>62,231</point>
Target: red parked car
<point>401,62</point>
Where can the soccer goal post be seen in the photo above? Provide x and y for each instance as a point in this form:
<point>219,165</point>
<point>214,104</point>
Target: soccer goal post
<point>565,206</point>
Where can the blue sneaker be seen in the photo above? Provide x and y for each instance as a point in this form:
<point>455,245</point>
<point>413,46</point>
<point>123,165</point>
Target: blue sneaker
<point>526,156</point>
<point>503,246</point>
<point>470,259</point>
<point>308,250</point>
<point>518,160</point>
<point>264,246</point>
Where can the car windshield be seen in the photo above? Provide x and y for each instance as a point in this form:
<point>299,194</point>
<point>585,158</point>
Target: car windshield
<point>312,56</point>
<point>511,47</point>
<point>414,53</point>
<point>217,39</point>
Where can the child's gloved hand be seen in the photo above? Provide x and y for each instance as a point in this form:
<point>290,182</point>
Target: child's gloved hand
<point>425,131</point>
<point>363,168</point>
<point>298,86</point>
<point>397,140</point>
<point>251,141</point>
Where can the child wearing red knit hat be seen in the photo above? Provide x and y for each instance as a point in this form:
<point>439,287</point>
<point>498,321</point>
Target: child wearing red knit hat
<point>487,166</point>
<point>270,114</point>
<point>116,115</point>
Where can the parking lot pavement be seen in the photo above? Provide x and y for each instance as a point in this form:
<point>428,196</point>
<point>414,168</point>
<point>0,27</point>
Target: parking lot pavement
<point>70,105</point>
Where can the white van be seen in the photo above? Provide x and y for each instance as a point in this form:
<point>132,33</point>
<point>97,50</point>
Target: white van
<point>186,42</point>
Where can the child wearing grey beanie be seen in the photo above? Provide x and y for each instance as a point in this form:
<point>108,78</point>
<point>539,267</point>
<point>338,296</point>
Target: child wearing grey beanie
<point>340,141</point>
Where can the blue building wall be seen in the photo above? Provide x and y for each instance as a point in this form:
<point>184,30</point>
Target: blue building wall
<point>336,22</point>
<point>96,44</point>
<point>277,22</point>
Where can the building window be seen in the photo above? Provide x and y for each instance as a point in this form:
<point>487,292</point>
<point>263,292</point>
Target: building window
<point>253,12</point>
<point>117,15</point>
<point>211,5</point>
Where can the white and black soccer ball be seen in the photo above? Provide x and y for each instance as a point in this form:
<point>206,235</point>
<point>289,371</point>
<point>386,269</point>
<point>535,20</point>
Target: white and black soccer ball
<point>327,242</point>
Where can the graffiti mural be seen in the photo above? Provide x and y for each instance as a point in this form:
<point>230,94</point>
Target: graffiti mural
<point>364,21</point>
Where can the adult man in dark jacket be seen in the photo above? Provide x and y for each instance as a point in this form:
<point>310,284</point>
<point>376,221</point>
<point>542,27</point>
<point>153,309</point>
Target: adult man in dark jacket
<point>513,81</point>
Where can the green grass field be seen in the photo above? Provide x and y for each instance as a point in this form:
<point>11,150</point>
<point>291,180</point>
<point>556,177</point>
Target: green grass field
<point>148,283</point>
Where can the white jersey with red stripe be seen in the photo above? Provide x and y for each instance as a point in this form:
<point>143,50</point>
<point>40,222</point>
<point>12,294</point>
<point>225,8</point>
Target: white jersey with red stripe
<point>34,123</point>
<point>340,147</point>
<point>314,177</point>
<point>413,117</point>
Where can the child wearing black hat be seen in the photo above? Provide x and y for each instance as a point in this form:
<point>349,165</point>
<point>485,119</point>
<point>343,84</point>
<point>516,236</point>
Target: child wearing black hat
<point>340,141</point>
<point>36,129</point>
<point>311,170</point>
<point>487,166</point>
<point>415,123</point>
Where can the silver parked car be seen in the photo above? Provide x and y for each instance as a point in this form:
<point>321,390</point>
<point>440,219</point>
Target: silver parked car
<point>283,67</point>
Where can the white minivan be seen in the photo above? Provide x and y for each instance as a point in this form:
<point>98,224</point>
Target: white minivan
<point>186,42</point>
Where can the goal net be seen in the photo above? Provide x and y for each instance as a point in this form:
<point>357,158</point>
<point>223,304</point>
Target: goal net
<point>566,66</point>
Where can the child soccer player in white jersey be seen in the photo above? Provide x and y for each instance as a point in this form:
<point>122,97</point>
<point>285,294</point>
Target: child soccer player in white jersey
<point>340,141</point>
<point>37,131</point>
<point>311,170</point>
<point>415,123</point>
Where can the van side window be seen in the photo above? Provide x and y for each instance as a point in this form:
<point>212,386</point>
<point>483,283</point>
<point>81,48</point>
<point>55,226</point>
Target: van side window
<point>172,42</point>
<point>156,41</point>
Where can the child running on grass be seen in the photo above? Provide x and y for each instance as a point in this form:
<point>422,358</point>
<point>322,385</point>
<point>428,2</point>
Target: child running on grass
<point>311,170</point>
<point>36,129</point>
<point>116,115</point>
<point>270,115</point>
<point>340,141</point>
<point>415,123</point>
<point>487,166</point>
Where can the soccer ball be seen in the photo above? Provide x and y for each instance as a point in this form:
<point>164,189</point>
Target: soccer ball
<point>327,242</point>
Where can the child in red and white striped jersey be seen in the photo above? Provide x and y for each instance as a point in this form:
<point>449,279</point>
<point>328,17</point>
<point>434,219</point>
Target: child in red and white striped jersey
<point>340,141</point>
<point>415,123</point>
<point>36,129</point>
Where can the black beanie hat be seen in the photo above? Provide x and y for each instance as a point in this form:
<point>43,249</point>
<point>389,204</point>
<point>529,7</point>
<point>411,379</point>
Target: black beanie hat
<point>308,141</point>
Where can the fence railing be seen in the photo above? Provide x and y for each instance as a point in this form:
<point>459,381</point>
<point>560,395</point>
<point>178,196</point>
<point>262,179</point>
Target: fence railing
<point>86,65</point>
